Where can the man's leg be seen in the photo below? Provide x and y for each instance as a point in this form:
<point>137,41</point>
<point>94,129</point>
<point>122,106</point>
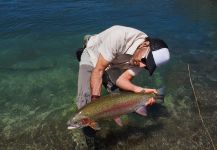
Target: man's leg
<point>83,98</point>
<point>83,93</point>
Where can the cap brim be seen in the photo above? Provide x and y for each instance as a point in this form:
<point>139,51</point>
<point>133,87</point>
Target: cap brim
<point>150,63</point>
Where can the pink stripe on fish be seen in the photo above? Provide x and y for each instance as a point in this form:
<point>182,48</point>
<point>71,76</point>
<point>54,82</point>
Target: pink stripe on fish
<point>119,106</point>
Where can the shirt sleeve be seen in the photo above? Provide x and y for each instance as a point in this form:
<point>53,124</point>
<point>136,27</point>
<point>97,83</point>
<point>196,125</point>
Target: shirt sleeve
<point>135,71</point>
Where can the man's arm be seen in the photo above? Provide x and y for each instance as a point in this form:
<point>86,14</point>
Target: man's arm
<point>96,76</point>
<point>124,82</point>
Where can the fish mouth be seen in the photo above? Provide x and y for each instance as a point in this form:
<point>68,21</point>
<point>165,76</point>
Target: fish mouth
<point>71,127</point>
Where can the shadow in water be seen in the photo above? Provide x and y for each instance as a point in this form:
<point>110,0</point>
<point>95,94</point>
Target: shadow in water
<point>139,128</point>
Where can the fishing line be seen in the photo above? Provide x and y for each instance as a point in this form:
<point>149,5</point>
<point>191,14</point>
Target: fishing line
<point>197,104</point>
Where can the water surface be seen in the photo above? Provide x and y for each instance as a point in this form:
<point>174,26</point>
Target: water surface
<point>38,72</point>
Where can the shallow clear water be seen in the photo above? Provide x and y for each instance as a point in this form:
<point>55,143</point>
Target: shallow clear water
<point>38,72</point>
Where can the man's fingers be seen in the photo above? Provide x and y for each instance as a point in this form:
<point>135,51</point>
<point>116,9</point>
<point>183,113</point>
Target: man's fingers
<point>155,91</point>
<point>150,91</point>
<point>151,101</point>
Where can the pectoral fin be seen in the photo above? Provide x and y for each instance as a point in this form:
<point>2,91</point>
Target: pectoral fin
<point>94,125</point>
<point>91,123</point>
<point>118,121</point>
<point>142,111</point>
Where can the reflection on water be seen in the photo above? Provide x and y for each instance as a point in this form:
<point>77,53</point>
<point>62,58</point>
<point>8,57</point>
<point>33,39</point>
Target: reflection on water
<point>38,73</point>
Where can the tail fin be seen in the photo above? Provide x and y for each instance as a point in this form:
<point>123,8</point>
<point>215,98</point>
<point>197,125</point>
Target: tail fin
<point>160,95</point>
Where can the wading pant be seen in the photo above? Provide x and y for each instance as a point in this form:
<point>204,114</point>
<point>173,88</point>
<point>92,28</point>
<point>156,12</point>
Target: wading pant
<point>83,94</point>
<point>109,78</point>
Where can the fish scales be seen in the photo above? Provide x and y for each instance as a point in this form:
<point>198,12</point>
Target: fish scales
<point>114,105</point>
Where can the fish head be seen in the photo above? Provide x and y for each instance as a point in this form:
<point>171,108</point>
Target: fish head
<point>78,121</point>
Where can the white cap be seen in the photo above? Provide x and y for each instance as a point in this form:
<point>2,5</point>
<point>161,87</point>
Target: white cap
<point>161,56</point>
<point>158,55</point>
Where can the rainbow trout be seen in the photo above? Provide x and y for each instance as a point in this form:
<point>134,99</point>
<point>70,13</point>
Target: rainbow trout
<point>111,106</point>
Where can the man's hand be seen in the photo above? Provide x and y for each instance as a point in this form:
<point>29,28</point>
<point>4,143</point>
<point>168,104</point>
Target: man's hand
<point>150,102</point>
<point>150,91</point>
<point>94,98</point>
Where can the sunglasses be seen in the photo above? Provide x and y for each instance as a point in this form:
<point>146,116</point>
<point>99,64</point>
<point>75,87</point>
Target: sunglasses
<point>143,60</point>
